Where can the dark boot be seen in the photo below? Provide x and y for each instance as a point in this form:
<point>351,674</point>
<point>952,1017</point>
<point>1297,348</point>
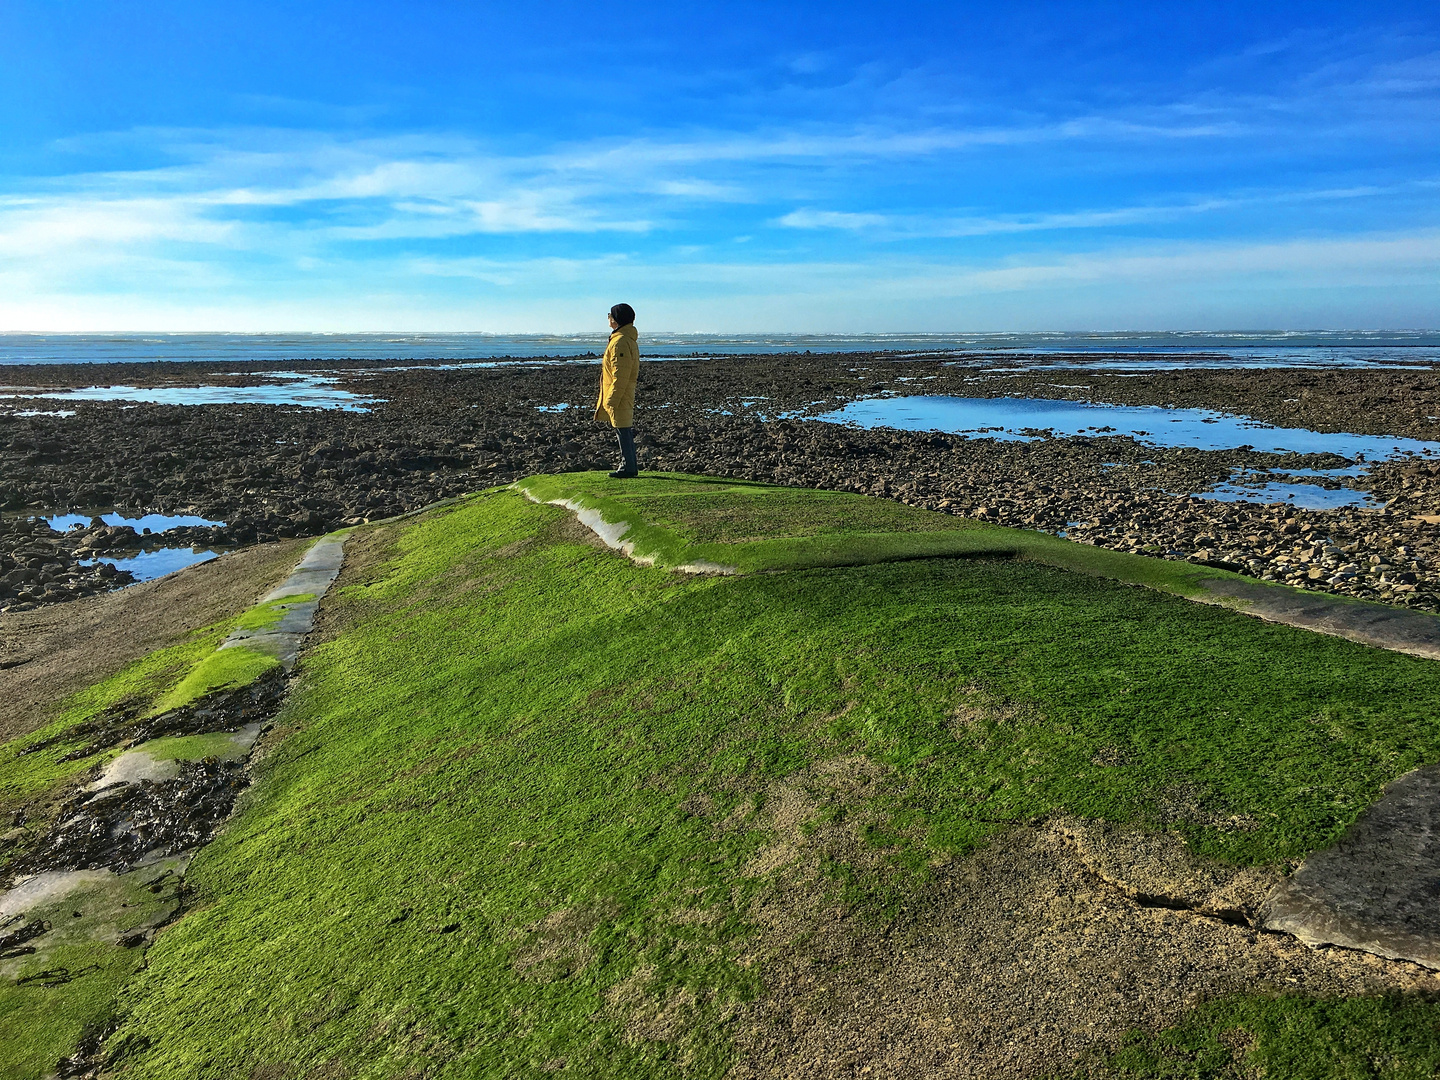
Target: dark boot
<point>628,465</point>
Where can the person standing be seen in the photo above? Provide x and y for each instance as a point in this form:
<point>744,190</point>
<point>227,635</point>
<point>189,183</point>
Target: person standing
<point>619,369</point>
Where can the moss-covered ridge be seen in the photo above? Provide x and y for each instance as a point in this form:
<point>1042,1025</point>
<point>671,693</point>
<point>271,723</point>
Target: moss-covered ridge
<point>527,787</point>
<point>694,522</point>
<point>708,524</point>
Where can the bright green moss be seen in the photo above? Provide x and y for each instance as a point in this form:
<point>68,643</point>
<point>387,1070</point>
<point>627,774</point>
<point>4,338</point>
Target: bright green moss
<point>221,744</point>
<point>40,1023</point>
<point>1394,1037</point>
<point>223,669</point>
<point>139,683</point>
<point>263,616</point>
<point>522,785</point>
<point>675,521</point>
<point>164,679</point>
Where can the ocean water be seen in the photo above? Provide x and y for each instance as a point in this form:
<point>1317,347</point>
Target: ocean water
<point>1180,348</point>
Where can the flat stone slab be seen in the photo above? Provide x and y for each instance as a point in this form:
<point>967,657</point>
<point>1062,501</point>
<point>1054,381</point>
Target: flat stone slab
<point>301,582</point>
<point>313,577</point>
<point>296,618</point>
<point>1378,888</point>
<point>1413,632</point>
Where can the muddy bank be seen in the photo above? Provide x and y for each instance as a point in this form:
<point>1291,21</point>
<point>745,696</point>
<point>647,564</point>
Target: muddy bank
<point>279,471</point>
<point>50,653</point>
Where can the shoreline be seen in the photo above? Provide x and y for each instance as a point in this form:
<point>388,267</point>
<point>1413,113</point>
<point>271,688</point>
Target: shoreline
<point>272,471</point>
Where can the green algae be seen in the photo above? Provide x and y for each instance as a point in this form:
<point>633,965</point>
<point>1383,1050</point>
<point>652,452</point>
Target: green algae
<point>265,615</point>
<point>523,785</point>
<point>139,684</point>
<point>224,669</point>
<point>164,679</point>
<point>1385,1037</point>
<point>221,744</point>
<point>71,980</point>
<point>676,521</point>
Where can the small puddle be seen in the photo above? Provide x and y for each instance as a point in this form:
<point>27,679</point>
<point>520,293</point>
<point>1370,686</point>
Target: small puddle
<point>149,565</point>
<point>1028,419</point>
<point>309,391</point>
<point>157,558</point>
<point>147,523</point>
<point>1305,496</point>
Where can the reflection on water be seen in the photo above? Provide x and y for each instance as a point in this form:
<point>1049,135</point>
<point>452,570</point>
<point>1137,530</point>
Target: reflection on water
<point>159,557</point>
<point>155,523</point>
<point>1305,496</point>
<point>310,391</point>
<point>148,565</point>
<point>1025,419</point>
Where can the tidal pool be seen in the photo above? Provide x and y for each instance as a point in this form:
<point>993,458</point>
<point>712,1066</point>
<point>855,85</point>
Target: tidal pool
<point>310,391</point>
<point>1026,419</point>
<point>160,559</point>
<point>154,523</point>
<point>1305,496</point>
<point>149,565</point>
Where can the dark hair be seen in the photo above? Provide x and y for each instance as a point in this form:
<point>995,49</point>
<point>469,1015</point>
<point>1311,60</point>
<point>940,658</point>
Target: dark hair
<point>623,314</point>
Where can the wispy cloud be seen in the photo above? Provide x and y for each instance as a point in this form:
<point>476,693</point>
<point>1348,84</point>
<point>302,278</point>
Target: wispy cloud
<point>252,214</point>
<point>317,188</point>
<point>909,226</point>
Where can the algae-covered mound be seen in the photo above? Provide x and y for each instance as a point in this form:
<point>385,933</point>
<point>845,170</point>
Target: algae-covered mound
<point>541,809</point>
<point>705,523</point>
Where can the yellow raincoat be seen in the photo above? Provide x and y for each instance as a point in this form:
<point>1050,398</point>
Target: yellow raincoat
<point>619,369</point>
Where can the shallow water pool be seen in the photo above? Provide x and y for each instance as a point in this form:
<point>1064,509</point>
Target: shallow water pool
<point>1304,496</point>
<point>1026,419</point>
<point>155,523</point>
<point>309,391</point>
<point>149,565</point>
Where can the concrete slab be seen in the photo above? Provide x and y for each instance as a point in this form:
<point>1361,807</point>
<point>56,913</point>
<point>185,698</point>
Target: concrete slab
<point>303,581</point>
<point>283,647</point>
<point>1385,627</point>
<point>1378,888</point>
<point>325,555</point>
<point>312,577</point>
<point>296,618</point>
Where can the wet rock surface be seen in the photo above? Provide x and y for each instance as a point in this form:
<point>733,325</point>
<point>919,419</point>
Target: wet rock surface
<point>119,825</point>
<point>1375,889</point>
<point>278,471</point>
<point>123,823</point>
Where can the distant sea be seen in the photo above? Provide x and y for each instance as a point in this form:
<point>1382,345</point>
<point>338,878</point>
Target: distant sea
<point>1291,348</point>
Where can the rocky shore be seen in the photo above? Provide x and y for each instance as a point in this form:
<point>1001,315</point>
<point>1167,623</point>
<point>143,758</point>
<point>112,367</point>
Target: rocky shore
<point>271,471</point>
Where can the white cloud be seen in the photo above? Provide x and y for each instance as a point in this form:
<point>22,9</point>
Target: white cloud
<point>831,219</point>
<point>1180,285</point>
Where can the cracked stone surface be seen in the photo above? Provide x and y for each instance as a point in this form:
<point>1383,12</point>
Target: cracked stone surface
<point>1378,888</point>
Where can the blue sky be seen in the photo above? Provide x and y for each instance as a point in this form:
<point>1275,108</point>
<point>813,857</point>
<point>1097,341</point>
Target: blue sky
<point>727,167</point>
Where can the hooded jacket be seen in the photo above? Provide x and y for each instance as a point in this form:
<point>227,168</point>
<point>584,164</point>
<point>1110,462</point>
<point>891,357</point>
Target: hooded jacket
<point>619,369</point>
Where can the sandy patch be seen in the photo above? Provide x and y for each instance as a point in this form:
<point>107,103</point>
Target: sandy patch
<point>1048,944</point>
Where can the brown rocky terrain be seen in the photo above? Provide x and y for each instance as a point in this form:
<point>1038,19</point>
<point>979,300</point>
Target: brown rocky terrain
<point>274,471</point>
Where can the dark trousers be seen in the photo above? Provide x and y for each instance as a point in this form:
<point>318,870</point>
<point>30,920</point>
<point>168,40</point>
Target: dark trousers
<point>626,435</point>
